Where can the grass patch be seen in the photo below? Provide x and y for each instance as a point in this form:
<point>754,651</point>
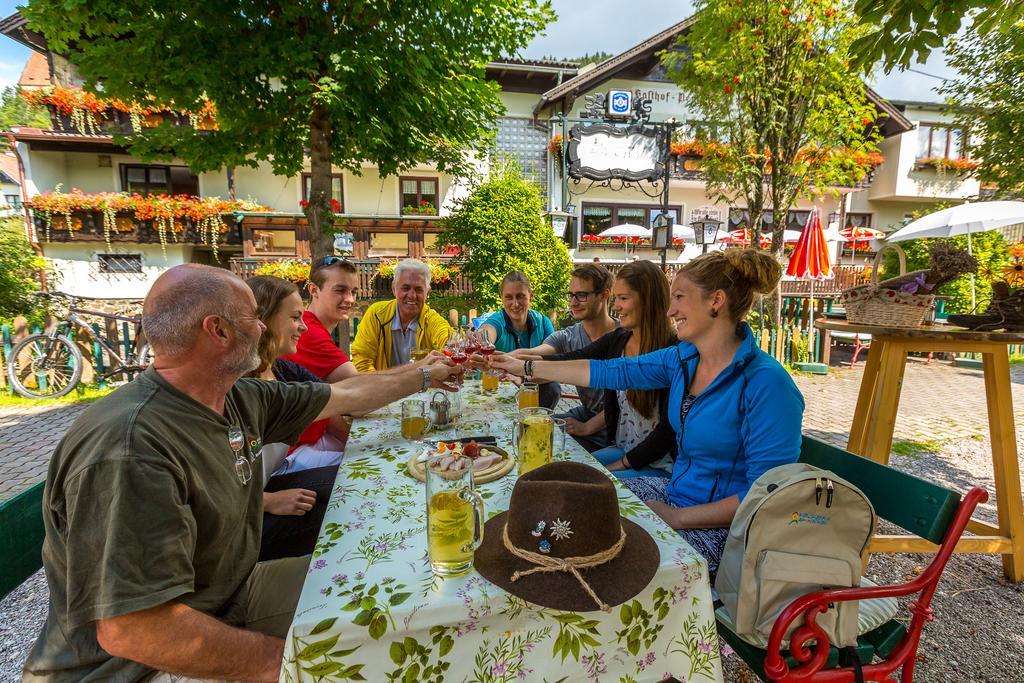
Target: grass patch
<point>83,394</point>
<point>912,448</point>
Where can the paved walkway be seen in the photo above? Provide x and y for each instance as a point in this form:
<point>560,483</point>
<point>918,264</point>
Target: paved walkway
<point>939,402</point>
<point>28,436</point>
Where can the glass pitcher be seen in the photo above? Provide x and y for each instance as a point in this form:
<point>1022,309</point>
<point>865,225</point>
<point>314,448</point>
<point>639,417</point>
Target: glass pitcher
<point>455,516</point>
<point>533,438</point>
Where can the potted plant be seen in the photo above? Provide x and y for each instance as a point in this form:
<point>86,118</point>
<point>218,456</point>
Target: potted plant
<point>441,275</point>
<point>425,208</point>
<point>385,273</point>
<point>800,354</point>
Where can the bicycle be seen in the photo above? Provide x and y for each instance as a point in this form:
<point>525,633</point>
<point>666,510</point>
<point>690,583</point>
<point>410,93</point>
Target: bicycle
<point>49,364</point>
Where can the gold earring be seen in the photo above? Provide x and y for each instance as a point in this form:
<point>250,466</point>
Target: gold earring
<point>714,312</point>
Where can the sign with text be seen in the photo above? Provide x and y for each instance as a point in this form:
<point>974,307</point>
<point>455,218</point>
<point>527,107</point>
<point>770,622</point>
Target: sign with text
<point>604,152</point>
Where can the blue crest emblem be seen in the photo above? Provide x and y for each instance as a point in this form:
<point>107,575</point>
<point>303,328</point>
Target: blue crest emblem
<point>620,102</point>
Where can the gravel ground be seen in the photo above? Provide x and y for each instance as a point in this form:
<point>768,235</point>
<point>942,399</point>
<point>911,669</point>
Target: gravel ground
<point>22,613</point>
<point>976,635</point>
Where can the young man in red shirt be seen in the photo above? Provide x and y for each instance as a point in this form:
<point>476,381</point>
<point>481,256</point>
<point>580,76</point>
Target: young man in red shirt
<point>333,288</point>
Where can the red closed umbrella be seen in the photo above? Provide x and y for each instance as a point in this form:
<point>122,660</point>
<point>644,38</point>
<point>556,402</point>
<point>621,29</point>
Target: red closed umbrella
<point>810,261</point>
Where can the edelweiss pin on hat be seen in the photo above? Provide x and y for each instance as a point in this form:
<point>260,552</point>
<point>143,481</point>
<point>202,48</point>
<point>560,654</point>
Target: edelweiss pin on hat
<point>562,543</point>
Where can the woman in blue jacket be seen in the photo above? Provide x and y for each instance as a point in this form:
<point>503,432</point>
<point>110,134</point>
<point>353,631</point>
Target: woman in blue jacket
<point>735,410</point>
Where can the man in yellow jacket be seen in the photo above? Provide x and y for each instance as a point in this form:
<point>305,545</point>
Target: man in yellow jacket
<point>391,331</point>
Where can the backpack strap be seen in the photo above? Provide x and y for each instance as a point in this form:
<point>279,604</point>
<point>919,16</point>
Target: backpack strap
<point>848,657</point>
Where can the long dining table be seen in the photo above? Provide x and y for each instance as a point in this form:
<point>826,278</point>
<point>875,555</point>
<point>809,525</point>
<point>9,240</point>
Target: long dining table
<point>371,608</point>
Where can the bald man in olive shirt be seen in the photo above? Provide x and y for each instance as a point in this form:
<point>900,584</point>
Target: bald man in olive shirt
<point>153,504</point>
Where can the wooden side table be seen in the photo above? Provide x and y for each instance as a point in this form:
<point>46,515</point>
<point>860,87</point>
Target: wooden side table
<point>875,418</point>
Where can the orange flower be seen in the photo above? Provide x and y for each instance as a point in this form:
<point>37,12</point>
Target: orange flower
<point>1014,273</point>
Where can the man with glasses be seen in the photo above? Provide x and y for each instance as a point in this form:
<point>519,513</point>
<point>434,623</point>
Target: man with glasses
<point>153,502</point>
<point>588,295</point>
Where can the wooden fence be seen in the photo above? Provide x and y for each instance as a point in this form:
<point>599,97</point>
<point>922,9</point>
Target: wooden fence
<point>371,286</point>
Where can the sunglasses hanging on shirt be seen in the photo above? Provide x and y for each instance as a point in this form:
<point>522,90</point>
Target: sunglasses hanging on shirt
<point>243,470</point>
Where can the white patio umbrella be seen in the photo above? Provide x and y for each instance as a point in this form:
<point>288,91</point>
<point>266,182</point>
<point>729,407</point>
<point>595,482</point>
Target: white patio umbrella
<point>965,219</point>
<point>627,230</point>
<point>685,232</point>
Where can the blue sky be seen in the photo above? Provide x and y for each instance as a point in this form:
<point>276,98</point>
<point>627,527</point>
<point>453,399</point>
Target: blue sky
<point>605,25</point>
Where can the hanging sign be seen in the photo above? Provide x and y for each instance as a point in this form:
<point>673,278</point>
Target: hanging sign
<point>342,244</point>
<point>603,152</point>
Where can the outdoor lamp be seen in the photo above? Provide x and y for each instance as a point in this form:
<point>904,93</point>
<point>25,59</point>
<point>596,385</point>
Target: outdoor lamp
<point>662,230</point>
<point>705,232</point>
<point>559,221</point>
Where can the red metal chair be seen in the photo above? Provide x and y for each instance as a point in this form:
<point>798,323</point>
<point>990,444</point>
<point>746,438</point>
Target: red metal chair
<point>920,507</point>
<point>811,659</point>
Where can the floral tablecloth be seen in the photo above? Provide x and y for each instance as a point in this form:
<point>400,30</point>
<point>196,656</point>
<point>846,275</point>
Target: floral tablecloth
<point>371,609</point>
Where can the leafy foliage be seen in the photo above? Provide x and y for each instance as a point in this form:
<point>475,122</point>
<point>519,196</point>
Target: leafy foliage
<point>19,268</point>
<point>991,250</point>
<point>905,30</point>
<point>388,84</point>
<point>500,229</point>
<point>775,80</point>
<point>15,111</point>
<point>989,95</point>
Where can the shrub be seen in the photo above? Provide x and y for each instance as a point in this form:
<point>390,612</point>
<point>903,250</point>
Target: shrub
<point>19,269</point>
<point>500,228</point>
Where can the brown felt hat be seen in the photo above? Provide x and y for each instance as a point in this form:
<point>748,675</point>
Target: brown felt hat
<point>561,514</point>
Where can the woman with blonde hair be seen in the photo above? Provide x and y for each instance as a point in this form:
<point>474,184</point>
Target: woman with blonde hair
<point>735,411</point>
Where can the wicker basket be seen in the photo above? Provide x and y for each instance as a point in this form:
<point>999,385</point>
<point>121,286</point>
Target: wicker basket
<point>870,304</point>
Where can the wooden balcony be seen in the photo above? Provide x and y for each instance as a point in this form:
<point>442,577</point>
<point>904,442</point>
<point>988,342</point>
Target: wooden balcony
<point>87,226</point>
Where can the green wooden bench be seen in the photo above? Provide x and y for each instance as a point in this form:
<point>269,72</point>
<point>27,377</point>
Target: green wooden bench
<point>21,538</point>
<point>916,505</point>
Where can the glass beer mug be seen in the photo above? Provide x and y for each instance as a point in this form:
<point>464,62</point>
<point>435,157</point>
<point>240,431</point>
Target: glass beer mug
<point>455,517</point>
<point>533,438</point>
<point>528,396</point>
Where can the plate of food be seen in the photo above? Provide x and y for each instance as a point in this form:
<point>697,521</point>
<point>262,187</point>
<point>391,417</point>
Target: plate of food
<point>489,462</point>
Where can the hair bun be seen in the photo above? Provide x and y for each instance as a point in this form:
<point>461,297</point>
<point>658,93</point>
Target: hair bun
<point>757,267</point>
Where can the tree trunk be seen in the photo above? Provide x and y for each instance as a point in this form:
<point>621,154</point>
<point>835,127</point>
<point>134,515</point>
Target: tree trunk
<point>318,210</point>
<point>230,171</point>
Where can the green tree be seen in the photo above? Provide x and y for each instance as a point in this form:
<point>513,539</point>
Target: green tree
<point>500,228</point>
<point>19,269</point>
<point>15,111</point>
<point>786,114</point>
<point>991,250</point>
<point>905,30</point>
<point>348,83</point>
<point>989,98</point>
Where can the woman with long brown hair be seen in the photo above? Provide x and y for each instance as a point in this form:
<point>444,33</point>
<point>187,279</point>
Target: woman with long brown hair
<point>296,488</point>
<point>634,420</point>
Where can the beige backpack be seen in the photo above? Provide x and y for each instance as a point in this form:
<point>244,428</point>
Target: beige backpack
<point>799,529</point>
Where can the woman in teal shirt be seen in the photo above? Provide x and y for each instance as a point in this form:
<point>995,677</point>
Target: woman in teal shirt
<point>517,326</point>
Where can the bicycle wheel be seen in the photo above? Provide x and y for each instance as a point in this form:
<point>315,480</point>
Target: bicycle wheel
<point>41,367</point>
